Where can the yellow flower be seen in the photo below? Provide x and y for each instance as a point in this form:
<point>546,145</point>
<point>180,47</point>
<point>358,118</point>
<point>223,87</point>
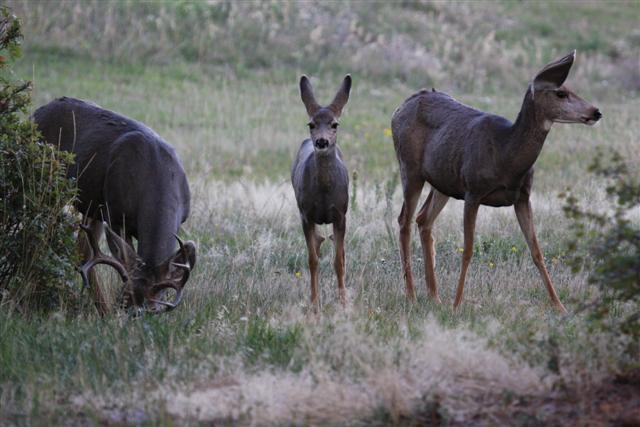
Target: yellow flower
<point>491,264</point>
<point>298,274</point>
<point>460,250</point>
<point>387,132</point>
<point>514,249</point>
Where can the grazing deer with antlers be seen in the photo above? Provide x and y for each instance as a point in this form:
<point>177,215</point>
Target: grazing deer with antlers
<point>132,180</point>
<point>321,181</point>
<point>480,158</point>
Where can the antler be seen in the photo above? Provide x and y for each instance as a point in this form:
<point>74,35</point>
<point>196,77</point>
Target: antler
<point>173,284</point>
<point>98,257</point>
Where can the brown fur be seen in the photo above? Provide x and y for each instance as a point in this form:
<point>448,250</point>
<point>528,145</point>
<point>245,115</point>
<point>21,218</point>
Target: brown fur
<point>321,182</point>
<point>477,157</point>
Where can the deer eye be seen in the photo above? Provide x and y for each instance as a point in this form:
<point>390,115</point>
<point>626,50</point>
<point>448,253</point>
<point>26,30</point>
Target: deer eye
<point>334,125</point>
<point>311,125</point>
<point>562,94</point>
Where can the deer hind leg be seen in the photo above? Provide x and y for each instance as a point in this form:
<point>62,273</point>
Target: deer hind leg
<point>411,196</point>
<point>311,236</point>
<point>525,219</point>
<point>85,253</point>
<point>470,213</point>
<point>339,229</point>
<point>432,207</point>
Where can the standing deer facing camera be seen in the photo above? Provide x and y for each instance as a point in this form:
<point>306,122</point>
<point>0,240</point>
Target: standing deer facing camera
<point>132,180</point>
<point>321,181</point>
<point>480,158</point>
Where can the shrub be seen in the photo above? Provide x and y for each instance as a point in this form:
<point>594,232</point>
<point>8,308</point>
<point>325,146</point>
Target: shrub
<point>608,243</point>
<point>37,247</point>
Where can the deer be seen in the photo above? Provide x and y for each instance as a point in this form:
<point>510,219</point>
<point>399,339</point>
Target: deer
<point>131,184</point>
<point>320,182</point>
<point>480,158</point>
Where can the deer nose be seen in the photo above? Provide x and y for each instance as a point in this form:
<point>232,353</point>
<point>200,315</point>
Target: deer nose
<point>597,115</point>
<point>321,143</point>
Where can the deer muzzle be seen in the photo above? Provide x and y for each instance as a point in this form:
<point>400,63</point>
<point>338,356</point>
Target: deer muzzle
<point>321,144</point>
<point>593,118</point>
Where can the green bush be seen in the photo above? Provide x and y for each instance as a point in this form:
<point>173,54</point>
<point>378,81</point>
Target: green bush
<point>37,244</point>
<point>607,242</point>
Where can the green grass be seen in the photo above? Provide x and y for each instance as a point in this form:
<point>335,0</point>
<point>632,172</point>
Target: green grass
<point>245,348</point>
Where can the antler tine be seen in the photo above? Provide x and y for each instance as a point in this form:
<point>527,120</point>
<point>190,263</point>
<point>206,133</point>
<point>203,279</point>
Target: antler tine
<point>186,266</point>
<point>173,284</point>
<point>98,257</point>
<point>92,239</point>
<point>176,301</point>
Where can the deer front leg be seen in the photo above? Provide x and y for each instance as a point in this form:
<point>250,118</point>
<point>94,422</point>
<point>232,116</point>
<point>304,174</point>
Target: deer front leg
<point>313,244</point>
<point>86,252</point>
<point>470,214</point>
<point>339,229</point>
<point>525,219</point>
<point>436,201</point>
<point>411,196</point>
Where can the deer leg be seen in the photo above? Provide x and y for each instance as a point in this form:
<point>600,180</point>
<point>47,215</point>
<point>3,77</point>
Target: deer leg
<point>338,240</point>
<point>470,214</point>
<point>525,219</point>
<point>310,235</point>
<point>434,204</point>
<point>411,196</point>
<point>86,253</point>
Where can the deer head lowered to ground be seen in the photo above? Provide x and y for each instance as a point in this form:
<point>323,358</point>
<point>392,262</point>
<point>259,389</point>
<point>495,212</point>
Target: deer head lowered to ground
<point>321,181</point>
<point>480,158</point>
<point>132,180</point>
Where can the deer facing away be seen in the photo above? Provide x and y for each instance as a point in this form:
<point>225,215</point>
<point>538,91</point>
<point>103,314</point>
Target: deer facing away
<point>480,158</point>
<point>129,178</point>
<point>321,182</point>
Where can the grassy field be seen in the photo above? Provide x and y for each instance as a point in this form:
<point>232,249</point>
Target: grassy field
<point>245,348</point>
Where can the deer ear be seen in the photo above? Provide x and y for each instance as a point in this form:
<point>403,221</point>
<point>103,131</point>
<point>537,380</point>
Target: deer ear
<point>306,93</point>
<point>120,249</point>
<point>554,74</point>
<point>342,96</point>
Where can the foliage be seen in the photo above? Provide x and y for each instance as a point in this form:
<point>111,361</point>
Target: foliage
<point>421,42</point>
<point>37,253</point>
<point>608,241</point>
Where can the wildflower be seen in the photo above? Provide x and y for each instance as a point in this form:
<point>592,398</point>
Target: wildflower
<point>491,264</point>
<point>460,250</point>
<point>514,249</point>
<point>298,275</point>
<point>387,132</point>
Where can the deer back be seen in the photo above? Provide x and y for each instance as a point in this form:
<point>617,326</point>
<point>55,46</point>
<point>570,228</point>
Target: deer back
<point>126,174</point>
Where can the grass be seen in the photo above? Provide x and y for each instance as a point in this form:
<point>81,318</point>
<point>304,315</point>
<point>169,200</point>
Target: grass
<point>244,348</point>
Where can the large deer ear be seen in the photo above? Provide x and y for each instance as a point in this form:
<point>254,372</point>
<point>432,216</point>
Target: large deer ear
<point>306,93</point>
<point>554,74</point>
<point>342,96</point>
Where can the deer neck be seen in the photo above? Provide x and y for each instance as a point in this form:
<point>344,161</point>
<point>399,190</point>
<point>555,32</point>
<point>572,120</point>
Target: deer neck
<point>325,169</point>
<point>527,136</point>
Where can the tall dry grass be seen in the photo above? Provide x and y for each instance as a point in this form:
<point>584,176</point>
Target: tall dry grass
<point>470,45</point>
